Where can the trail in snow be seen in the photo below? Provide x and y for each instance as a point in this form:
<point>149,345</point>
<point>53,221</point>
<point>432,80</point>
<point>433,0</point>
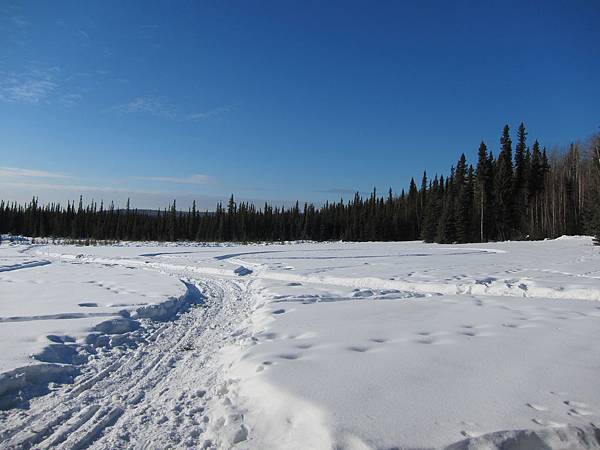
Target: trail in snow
<point>342,346</point>
<point>151,397</point>
<point>23,265</point>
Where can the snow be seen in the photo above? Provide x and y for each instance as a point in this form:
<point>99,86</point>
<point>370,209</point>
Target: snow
<point>301,345</point>
<point>65,299</point>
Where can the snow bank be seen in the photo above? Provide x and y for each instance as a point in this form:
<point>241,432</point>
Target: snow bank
<point>169,309</point>
<point>60,359</point>
<point>565,438</point>
<point>18,385</point>
<point>49,327</point>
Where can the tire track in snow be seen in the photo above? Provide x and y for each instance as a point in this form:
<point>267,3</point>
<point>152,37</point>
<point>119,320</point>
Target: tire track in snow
<point>117,390</point>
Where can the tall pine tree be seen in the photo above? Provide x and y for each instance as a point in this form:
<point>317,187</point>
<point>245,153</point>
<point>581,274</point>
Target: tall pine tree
<point>503,184</point>
<point>520,178</point>
<point>484,191</point>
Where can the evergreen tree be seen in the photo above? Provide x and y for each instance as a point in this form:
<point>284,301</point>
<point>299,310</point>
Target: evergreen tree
<point>562,196</point>
<point>595,192</point>
<point>520,177</point>
<point>503,185</point>
<point>484,191</point>
<point>463,201</point>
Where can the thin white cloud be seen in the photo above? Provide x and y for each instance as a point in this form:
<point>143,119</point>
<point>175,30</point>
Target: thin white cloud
<point>19,21</point>
<point>77,188</point>
<point>43,84</point>
<point>192,179</point>
<point>72,187</point>
<point>70,100</point>
<point>161,107</point>
<point>15,172</point>
<point>33,86</point>
<point>155,106</point>
<point>212,112</point>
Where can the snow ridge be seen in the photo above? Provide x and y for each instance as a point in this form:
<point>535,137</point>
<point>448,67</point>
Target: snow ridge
<point>563,438</point>
<point>61,360</point>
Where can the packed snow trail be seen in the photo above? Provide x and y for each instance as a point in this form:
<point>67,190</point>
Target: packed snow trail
<point>155,396</point>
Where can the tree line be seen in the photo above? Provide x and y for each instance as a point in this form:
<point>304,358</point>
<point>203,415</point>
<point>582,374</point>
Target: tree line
<point>523,193</point>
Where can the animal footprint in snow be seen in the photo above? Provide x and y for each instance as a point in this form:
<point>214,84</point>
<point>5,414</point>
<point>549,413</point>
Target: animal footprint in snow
<point>471,434</point>
<point>576,404</point>
<point>537,407</point>
<point>559,393</point>
<point>577,408</point>
<point>88,305</point>
<point>358,348</point>
<point>304,346</point>
<point>264,365</point>
<point>548,423</point>
<point>269,336</point>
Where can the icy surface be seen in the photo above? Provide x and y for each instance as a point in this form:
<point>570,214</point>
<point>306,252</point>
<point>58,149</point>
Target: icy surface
<point>334,345</point>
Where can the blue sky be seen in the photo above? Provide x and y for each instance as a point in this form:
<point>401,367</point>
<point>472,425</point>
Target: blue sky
<point>279,100</point>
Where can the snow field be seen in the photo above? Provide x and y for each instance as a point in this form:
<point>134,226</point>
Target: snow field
<point>333,345</point>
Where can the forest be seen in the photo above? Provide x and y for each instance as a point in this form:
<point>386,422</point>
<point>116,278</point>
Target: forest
<point>523,193</point>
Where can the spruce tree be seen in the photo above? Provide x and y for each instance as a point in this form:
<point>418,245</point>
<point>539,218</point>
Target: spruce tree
<point>432,212</point>
<point>561,198</point>
<point>463,202</point>
<point>520,160</point>
<point>595,194</point>
<point>536,174</point>
<point>520,178</point>
<point>503,184</point>
<point>484,190</point>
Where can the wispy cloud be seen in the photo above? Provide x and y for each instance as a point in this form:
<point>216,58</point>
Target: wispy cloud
<point>37,83</point>
<point>69,100</point>
<point>212,112</point>
<point>19,21</point>
<point>161,107</point>
<point>192,179</point>
<point>33,86</point>
<point>70,187</point>
<point>15,172</point>
<point>156,106</point>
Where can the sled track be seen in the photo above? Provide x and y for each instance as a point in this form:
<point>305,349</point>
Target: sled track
<point>120,398</point>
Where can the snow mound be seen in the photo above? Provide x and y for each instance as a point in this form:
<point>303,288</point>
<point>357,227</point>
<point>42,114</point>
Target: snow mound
<point>169,309</point>
<point>117,326</point>
<point>17,386</point>
<point>565,438</point>
<point>60,361</point>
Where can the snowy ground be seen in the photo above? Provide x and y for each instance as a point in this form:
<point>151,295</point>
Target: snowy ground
<point>301,346</point>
